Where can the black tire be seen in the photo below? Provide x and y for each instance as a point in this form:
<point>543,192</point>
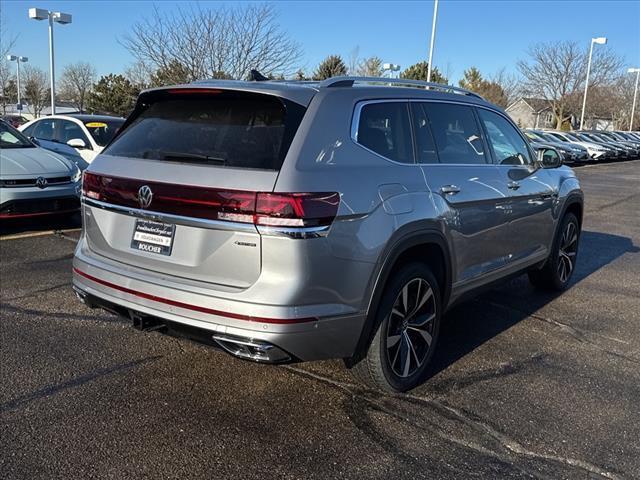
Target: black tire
<point>407,327</point>
<point>557,271</point>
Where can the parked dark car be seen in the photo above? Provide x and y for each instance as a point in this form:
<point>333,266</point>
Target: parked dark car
<point>14,120</point>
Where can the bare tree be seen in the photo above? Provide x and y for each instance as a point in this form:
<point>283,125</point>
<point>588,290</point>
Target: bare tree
<point>36,89</point>
<point>608,102</point>
<point>556,71</point>
<point>370,67</point>
<point>511,85</point>
<point>7,86</point>
<point>214,42</point>
<point>139,74</point>
<point>76,82</point>
<point>353,60</point>
<point>7,83</point>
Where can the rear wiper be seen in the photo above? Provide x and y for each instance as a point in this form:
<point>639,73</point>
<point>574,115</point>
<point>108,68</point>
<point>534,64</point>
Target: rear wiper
<point>178,156</point>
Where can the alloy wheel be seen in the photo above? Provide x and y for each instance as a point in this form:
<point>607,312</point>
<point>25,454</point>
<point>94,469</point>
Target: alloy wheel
<point>410,327</point>
<point>567,251</point>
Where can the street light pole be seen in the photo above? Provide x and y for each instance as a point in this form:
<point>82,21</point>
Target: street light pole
<point>63,19</point>
<point>433,39</point>
<point>52,73</point>
<point>599,41</point>
<point>635,95</point>
<point>18,60</point>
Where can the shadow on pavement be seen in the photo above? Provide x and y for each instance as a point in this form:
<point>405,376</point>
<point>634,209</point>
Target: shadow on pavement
<point>40,224</point>
<point>464,329</point>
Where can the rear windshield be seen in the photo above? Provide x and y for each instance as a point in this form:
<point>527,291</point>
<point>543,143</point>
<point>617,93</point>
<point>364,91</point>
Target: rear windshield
<point>230,129</point>
<point>103,131</point>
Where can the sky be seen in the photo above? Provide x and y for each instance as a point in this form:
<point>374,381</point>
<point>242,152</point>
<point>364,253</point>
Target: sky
<point>490,35</point>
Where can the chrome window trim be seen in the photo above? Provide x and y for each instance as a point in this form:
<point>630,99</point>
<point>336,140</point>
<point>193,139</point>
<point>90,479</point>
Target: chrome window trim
<point>171,218</point>
<point>355,121</point>
<point>294,232</point>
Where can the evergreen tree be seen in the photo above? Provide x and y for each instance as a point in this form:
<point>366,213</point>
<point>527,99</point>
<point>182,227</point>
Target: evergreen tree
<point>113,94</point>
<point>332,66</point>
<point>172,74</point>
<point>419,72</point>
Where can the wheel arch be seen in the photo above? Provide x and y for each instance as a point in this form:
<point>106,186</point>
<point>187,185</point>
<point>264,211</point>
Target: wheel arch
<point>411,243</point>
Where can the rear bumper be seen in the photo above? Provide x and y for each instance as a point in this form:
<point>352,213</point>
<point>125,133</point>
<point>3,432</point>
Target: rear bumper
<point>308,332</point>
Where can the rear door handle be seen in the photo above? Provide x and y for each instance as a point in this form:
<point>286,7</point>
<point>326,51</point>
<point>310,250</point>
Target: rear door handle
<point>513,185</point>
<point>450,189</point>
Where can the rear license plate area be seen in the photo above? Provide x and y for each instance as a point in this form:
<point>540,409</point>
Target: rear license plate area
<point>153,237</point>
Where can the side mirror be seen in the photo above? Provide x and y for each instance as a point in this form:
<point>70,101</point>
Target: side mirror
<point>35,141</point>
<point>549,157</point>
<point>77,143</point>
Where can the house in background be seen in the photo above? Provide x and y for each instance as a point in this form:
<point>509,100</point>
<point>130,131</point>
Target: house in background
<point>528,112</point>
<point>532,113</point>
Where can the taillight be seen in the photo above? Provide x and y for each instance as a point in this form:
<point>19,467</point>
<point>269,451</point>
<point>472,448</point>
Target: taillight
<point>259,208</point>
<point>91,185</point>
<point>296,209</point>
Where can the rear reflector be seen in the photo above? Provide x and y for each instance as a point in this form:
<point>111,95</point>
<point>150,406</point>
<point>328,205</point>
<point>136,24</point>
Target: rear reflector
<point>259,208</point>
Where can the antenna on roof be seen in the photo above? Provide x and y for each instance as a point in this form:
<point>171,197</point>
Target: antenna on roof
<point>256,76</point>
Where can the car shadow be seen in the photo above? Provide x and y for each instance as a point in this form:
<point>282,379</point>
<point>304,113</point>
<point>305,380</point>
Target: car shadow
<point>39,224</point>
<point>470,324</point>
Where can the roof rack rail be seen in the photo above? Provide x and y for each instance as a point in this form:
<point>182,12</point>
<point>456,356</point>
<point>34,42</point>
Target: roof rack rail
<point>349,81</point>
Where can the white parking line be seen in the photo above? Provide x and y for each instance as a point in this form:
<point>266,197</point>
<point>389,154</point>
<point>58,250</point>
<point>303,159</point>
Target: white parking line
<point>18,236</point>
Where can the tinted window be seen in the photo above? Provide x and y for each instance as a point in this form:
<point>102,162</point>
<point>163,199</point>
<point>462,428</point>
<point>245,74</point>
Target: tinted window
<point>69,131</point>
<point>44,130</point>
<point>103,131</point>
<point>217,128</point>
<point>12,138</point>
<point>456,133</point>
<point>558,136</point>
<point>384,128</point>
<point>509,148</point>
<point>425,144</point>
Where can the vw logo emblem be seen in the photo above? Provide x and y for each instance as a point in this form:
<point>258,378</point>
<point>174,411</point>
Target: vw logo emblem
<point>145,195</point>
<point>41,182</point>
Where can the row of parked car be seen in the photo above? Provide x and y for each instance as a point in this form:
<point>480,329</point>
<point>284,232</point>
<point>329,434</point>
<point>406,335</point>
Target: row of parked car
<point>42,162</point>
<point>588,145</point>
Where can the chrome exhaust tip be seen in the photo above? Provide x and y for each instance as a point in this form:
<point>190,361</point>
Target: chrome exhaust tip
<point>82,296</point>
<point>250,349</point>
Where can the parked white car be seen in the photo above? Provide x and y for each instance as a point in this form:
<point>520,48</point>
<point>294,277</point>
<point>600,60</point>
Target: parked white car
<point>88,134</point>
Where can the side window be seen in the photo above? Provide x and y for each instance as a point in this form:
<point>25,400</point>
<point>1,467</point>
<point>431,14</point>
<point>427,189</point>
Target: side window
<point>509,148</point>
<point>29,130</point>
<point>425,144</point>
<point>384,128</point>
<point>68,130</point>
<point>44,130</point>
<point>456,133</point>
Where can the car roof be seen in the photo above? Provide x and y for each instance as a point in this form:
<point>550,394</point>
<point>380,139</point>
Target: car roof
<point>303,91</point>
<point>83,117</point>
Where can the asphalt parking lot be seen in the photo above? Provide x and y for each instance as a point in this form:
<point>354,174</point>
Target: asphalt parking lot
<point>525,384</point>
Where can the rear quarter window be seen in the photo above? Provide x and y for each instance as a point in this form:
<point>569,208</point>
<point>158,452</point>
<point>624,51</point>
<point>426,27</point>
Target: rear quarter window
<point>243,130</point>
<point>384,128</point>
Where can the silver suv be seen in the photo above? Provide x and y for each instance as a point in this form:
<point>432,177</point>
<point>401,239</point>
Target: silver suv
<point>287,221</point>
